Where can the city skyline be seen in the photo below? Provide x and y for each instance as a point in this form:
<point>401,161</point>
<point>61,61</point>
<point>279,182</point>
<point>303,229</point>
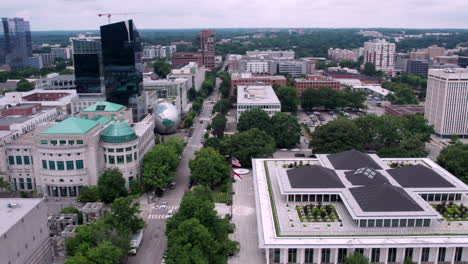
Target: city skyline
<point>83,14</point>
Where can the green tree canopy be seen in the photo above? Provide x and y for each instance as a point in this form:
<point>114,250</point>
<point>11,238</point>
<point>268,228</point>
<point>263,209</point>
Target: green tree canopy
<point>288,98</point>
<point>213,142</point>
<point>104,253</point>
<point>111,185</point>
<point>253,143</point>
<point>124,215</point>
<point>159,165</point>
<point>73,210</point>
<point>254,118</point>
<point>327,98</point>
<point>337,136</point>
<point>162,68</point>
<point>192,94</point>
<point>222,106</point>
<point>218,124</point>
<point>24,86</point>
<point>402,96</point>
<point>285,130</point>
<point>88,194</point>
<point>356,258</point>
<point>176,143</point>
<point>209,168</point>
<point>454,158</point>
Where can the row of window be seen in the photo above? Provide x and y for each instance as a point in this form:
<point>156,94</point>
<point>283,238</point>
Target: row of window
<point>20,184</point>
<point>120,159</point>
<point>441,196</point>
<point>19,160</point>
<point>62,142</point>
<point>61,165</point>
<point>258,106</point>
<point>374,257</point>
<point>394,222</point>
<point>119,149</point>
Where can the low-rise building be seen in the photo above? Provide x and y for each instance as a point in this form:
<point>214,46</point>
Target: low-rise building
<point>181,58</point>
<point>24,232</point>
<point>271,54</point>
<point>193,72</point>
<point>238,79</point>
<point>374,90</point>
<point>324,209</point>
<point>404,110</point>
<point>257,96</point>
<point>341,54</point>
<point>315,82</point>
<point>174,90</point>
<point>61,100</point>
<point>55,81</point>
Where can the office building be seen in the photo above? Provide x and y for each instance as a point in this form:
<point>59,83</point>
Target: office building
<point>34,62</point>
<point>435,51</point>
<point>257,96</point>
<point>292,67</point>
<point>315,82</point>
<point>257,66</point>
<point>373,90</point>
<point>151,52</point>
<point>446,106</point>
<point>87,59</point>
<point>193,72</point>
<point>324,209</point>
<point>463,61</point>
<point>47,58</point>
<point>60,100</point>
<point>417,67</point>
<point>62,53</point>
<point>24,232</point>
<point>74,152</point>
<point>341,54</point>
<point>179,59</point>
<point>380,53</point>
<point>246,79</point>
<point>173,90</point>
<point>271,54</point>
<point>15,42</point>
<point>55,81</point>
<point>446,59</point>
<point>122,63</point>
<point>207,47</point>
<point>419,55</point>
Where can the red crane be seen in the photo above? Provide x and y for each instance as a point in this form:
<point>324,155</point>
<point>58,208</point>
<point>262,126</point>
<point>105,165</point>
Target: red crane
<point>109,15</point>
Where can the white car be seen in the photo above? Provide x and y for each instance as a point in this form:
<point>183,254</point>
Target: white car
<point>170,213</point>
<point>296,149</point>
<point>163,204</point>
<point>284,149</point>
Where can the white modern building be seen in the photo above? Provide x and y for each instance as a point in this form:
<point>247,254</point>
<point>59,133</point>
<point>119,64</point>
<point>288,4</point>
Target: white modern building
<point>58,159</point>
<point>257,96</point>
<point>193,72</point>
<point>323,209</point>
<point>341,54</point>
<point>174,90</point>
<point>380,53</point>
<point>24,234</point>
<point>55,81</point>
<point>373,90</point>
<point>446,105</point>
<point>256,66</point>
<point>271,54</point>
<point>158,51</point>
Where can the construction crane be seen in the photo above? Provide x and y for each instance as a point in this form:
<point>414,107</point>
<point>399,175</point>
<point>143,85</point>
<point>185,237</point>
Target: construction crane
<point>109,15</point>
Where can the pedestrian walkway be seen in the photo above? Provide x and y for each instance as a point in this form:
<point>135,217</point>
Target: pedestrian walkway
<point>158,216</point>
<point>168,207</point>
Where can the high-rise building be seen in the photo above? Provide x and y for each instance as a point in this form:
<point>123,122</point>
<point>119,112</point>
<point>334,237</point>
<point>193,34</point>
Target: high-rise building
<point>446,105</point>
<point>87,58</point>
<point>123,68</point>
<point>15,42</point>
<point>207,47</point>
<point>418,67</point>
<point>380,53</point>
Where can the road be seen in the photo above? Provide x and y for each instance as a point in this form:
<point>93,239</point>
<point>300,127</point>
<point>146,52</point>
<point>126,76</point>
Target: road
<point>154,213</point>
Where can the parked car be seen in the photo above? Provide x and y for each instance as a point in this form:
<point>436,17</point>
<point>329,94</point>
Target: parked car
<point>172,185</point>
<point>321,118</point>
<point>295,149</point>
<point>201,121</point>
<point>170,213</point>
<point>299,155</point>
<point>317,113</point>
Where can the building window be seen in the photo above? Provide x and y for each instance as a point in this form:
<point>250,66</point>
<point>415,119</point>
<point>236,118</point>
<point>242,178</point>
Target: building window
<point>112,159</point>
<point>51,165</point>
<point>120,159</point>
<point>458,254</point>
<point>325,255</point>
<point>292,255</point>
<point>26,160</point>
<point>79,164</point>
<point>53,142</point>
<point>392,252</point>
<point>128,158</point>
<point>21,183</point>
<point>29,183</point>
<point>120,150</point>
<point>409,253</point>
<point>44,164</point>
<point>110,150</point>
<point>11,160</point>
<point>309,255</point>
<point>135,156</point>
<point>79,142</point>
<point>359,250</point>
<point>425,254</point>
<point>342,252</point>
<point>128,149</point>
<point>441,256</point>
<point>19,160</point>
<point>277,255</point>
<point>71,142</point>
<point>105,158</point>
<point>70,165</point>
<point>375,255</point>
<point>63,142</point>
<point>60,165</point>
<point>44,142</point>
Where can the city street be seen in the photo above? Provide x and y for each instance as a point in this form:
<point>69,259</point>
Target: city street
<point>155,214</point>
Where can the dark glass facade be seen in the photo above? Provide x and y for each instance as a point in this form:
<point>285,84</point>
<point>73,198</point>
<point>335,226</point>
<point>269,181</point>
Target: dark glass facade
<point>15,42</point>
<point>87,59</point>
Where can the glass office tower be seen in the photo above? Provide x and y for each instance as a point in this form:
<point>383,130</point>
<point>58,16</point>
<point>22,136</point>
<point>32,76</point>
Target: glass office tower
<point>15,42</point>
<point>123,68</point>
<point>87,59</point>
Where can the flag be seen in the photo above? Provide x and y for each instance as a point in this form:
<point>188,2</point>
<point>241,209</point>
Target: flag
<point>235,162</point>
<point>237,174</point>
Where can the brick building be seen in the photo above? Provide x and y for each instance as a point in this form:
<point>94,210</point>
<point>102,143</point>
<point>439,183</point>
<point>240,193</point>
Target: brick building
<point>244,79</point>
<point>315,82</point>
<point>205,56</point>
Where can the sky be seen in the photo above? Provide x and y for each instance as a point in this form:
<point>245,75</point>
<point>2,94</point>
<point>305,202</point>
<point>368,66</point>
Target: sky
<point>171,14</point>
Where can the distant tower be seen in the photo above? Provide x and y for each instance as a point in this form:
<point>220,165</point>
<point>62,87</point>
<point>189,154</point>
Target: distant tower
<point>123,68</point>
<point>380,53</point>
<point>207,47</point>
<point>15,42</point>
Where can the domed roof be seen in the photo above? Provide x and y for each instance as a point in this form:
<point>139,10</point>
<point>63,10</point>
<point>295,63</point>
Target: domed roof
<point>118,132</point>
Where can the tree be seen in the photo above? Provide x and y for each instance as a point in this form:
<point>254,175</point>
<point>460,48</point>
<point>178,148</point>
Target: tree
<point>417,124</point>
<point>124,216</point>
<point>213,142</point>
<point>402,96</point>
<point>285,130</point>
<point>218,124</point>
<point>177,144</point>
<point>73,210</point>
<point>222,106</point>
<point>104,253</point>
<point>288,98</point>
<point>337,136</point>
<point>192,94</point>
<point>254,118</point>
<point>159,165</point>
<point>161,68</point>
<point>111,185</point>
<point>369,70</point>
<point>454,158</point>
<point>253,143</point>
<point>356,258</point>
<point>408,260</point>
<point>88,194</point>
<point>209,168</point>
<point>136,188</point>
<point>24,86</point>
<point>4,185</point>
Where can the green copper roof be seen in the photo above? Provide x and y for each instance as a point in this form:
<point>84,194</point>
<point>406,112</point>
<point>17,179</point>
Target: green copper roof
<point>104,107</point>
<point>72,125</point>
<point>118,132</point>
<point>101,119</point>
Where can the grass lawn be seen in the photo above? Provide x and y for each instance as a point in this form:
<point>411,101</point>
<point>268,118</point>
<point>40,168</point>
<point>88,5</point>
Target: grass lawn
<point>222,193</point>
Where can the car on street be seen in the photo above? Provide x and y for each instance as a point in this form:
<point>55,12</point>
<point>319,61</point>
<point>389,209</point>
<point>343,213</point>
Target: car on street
<point>163,204</point>
<point>170,213</point>
<point>172,185</point>
<point>201,121</point>
<point>283,149</point>
<point>299,155</point>
<point>295,149</point>
<point>190,132</point>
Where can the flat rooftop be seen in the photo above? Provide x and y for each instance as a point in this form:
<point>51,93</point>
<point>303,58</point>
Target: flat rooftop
<point>10,216</point>
<point>256,94</point>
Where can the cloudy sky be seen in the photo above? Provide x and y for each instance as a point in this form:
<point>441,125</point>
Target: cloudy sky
<point>155,14</point>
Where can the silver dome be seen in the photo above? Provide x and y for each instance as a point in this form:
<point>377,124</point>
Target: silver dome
<point>167,117</point>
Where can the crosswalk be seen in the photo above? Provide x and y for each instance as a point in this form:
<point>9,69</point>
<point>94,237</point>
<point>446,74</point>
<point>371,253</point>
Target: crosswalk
<point>153,216</point>
<point>168,207</point>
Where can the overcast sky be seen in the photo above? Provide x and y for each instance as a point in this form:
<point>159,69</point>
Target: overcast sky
<point>156,14</point>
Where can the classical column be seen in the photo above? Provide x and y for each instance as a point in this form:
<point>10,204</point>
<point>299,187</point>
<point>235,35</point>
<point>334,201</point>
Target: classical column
<point>400,256</point>
<point>384,255</point>
<point>319,255</point>
<point>300,255</point>
<point>284,256</point>
<point>417,255</point>
<point>435,255</point>
<point>334,255</point>
<point>267,255</point>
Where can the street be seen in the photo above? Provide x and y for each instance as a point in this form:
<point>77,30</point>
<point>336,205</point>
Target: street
<point>155,213</point>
